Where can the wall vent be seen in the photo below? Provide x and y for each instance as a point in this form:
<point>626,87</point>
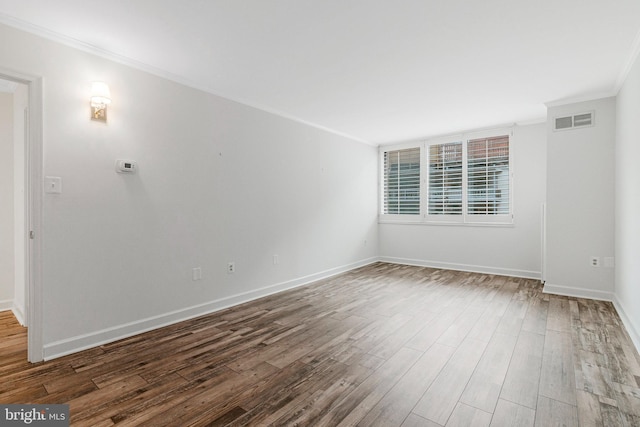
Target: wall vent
<point>574,121</point>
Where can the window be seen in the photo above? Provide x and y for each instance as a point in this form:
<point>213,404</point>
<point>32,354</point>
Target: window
<point>488,176</point>
<point>467,179</point>
<point>401,186</point>
<point>445,179</point>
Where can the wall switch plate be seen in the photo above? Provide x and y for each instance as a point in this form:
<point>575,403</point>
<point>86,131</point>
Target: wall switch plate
<point>594,261</point>
<point>276,261</point>
<point>609,262</point>
<point>231,267</point>
<point>197,273</point>
<point>53,184</point>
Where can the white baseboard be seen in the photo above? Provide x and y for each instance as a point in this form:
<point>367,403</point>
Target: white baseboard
<point>464,267</point>
<point>633,330</point>
<point>569,291</point>
<point>83,342</point>
<point>8,305</point>
<point>602,296</point>
<point>19,313</point>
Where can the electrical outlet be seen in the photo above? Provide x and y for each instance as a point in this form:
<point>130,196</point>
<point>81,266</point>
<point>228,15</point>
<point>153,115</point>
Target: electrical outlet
<point>196,273</point>
<point>231,267</point>
<point>594,261</point>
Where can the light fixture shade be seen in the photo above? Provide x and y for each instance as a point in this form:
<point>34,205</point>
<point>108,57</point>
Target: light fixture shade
<point>100,95</point>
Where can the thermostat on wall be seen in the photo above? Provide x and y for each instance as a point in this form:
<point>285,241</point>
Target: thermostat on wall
<point>126,166</point>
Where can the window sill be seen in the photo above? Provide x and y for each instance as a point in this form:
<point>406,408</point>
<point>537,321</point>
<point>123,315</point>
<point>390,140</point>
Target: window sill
<point>446,223</point>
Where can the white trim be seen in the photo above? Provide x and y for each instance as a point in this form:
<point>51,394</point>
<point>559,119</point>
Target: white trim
<point>88,48</point>
<point>294,118</point>
<point>409,218</point>
<point>401,219</point>
<point>400,146</point>
<point>33,211</point>
<point>633,55</point>
<point>17,312</point>
<point>543,241</point>
<point>382,219</point>
<point>570,291</point>
<point>450,219</point>
<point>632,329</point>
<point>532,121</point>
<point>634,332</point>
<point>6,305</point>
<point>85,47</point>
<point>580,98</point>
<point>83,342</point>
<point>463,267</point>
<point>444,136</point>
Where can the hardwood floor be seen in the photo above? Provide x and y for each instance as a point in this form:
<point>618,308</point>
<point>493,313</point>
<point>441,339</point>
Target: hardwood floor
<point>384,345</point>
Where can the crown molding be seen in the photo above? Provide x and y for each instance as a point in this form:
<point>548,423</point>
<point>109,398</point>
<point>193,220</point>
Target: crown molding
<point>103,53</point>
<point>633,55</point>
<point>581,98</point>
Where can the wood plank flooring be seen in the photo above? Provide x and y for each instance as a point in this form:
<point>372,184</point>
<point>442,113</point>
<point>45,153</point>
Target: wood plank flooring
<point>383,345</point>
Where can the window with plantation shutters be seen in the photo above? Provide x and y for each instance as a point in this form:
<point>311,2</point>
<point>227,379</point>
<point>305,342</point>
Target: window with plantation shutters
<point>445,179</point>
<point>401,182</point>
<point>459,179</point>
<point>488,176</point>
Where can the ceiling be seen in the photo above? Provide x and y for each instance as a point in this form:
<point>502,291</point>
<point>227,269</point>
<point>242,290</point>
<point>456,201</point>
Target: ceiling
<point>379,71</point>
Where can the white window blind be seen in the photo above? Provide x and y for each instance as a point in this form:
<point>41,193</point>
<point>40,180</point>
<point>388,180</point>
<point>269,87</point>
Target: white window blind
<point>401,184</point>
<point>445,179</point>
<point>488,176</point>
<point>462,179</point>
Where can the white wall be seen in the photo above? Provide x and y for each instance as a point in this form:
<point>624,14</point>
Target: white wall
<point>510,250</point>
<point>20,101</point>
<point>580,202</point>
<point>218,181</point>
<point>6,201</point>
<point>627,196</point>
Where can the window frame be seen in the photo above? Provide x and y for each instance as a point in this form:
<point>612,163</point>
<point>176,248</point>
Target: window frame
<point>449,219</point>
<point>489,218</point>
<point>442,218</point>
<point>405,218</point>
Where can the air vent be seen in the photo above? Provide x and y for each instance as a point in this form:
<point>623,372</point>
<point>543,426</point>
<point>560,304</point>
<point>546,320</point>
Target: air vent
<point>564,122</point>
<point>575,121</point>
<point>583,120</point>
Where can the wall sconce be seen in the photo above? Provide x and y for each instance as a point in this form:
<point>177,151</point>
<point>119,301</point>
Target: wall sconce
<point>100,98</point>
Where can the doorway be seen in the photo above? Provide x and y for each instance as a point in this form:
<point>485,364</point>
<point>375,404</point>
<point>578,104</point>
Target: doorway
<point>13,134</point>
<point>21,192</point>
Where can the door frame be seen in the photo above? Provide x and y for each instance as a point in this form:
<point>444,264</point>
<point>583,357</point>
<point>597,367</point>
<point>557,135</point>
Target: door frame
<point>33,211</point>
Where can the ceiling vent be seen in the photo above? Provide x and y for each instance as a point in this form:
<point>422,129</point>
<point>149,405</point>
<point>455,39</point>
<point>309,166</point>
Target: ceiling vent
<point>575,121</point>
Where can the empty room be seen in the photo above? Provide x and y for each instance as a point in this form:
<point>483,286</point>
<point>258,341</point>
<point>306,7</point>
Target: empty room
<point>322,213</point>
